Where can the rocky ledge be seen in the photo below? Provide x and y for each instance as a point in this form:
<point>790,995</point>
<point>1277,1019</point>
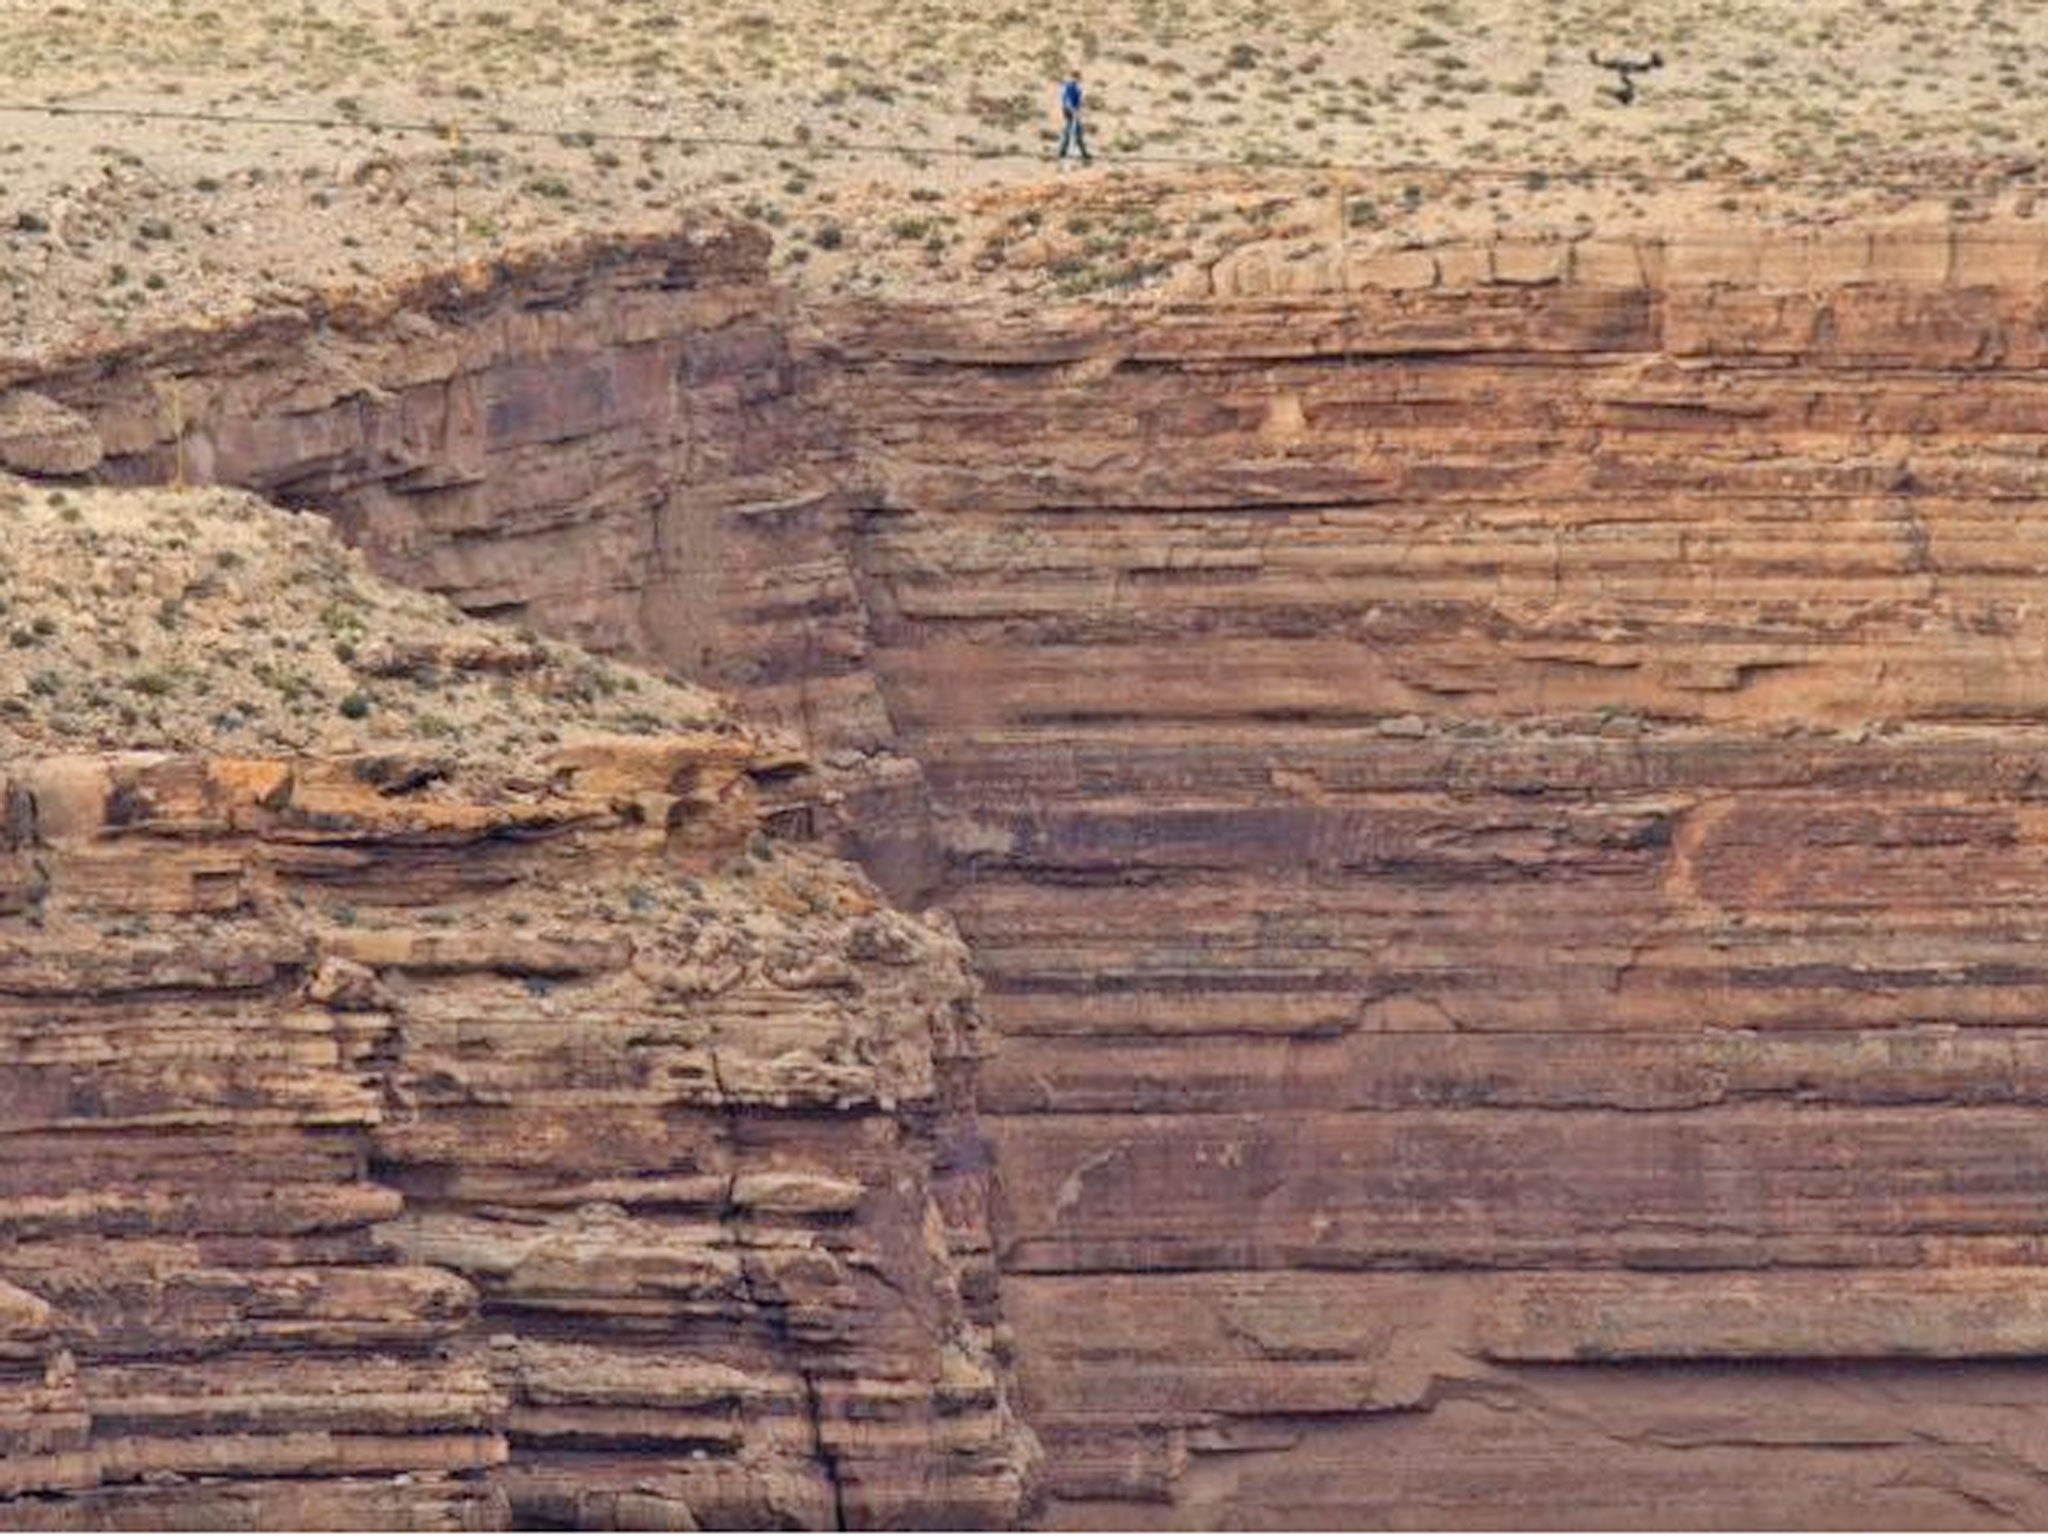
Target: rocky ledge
<point>423,1129</point>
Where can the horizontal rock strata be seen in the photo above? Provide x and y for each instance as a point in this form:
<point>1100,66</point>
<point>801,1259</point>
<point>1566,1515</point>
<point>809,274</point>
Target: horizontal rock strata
<point>486,1145</point>
<point>394,1143</point>
<point>1498,828</point>
<point>1499,817</point>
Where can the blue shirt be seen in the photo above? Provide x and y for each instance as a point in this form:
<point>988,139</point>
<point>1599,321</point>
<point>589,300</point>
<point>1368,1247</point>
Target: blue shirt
<point>1070,96</point>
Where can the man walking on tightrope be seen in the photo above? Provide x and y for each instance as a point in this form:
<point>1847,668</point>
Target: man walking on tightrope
<point>1075,136</point>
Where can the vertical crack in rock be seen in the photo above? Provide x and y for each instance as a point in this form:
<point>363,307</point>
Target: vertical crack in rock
<point>827,1457</point>
<point>775,1309</point>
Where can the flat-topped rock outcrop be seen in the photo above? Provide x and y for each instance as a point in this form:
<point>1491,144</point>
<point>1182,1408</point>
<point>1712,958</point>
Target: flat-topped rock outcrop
<point>431,1131</point>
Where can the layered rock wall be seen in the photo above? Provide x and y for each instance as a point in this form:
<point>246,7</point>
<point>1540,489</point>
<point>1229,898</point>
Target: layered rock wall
<point>613,444</point>
<point>1494,794</point>
<point>396,1145</point>
<point>1498,828</point>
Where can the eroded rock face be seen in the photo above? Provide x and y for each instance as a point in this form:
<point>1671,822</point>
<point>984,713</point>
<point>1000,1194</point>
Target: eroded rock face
<point>1493,796</point>
<point>418,1141</point>
<point>483,1143</point>
<point>1492,816</point>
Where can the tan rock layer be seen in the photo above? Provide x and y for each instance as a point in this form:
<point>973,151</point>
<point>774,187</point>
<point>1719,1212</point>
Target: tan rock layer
<point>1987,254</point>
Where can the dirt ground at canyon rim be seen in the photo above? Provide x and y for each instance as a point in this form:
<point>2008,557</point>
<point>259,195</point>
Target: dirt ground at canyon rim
<point>205,620</point>
<point>905,149</point>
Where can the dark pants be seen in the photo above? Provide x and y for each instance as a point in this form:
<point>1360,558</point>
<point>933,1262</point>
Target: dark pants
<point>1075,137</point>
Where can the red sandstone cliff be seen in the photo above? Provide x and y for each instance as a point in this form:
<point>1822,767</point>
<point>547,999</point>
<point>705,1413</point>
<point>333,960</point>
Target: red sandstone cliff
<point>1493,793</point>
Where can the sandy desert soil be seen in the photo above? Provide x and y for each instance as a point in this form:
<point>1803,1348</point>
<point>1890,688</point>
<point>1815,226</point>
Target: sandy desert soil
<point>205,619</point>
<point>904,145</point>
